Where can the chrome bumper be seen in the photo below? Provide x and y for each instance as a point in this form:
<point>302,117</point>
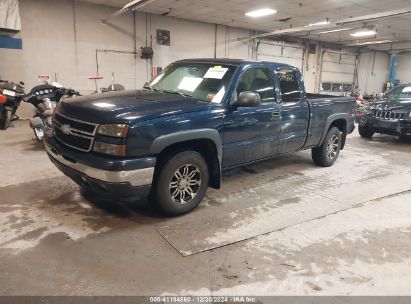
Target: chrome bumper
<point>136,178</point>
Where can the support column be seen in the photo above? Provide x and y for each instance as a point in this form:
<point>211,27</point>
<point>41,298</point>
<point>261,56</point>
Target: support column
<point>392,74</point>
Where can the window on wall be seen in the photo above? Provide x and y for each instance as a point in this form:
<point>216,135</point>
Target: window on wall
<point>289,85</point>
<point>258,80</point>
<point>336,87</point>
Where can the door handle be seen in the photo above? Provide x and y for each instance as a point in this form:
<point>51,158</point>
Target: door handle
<point>275,115</point>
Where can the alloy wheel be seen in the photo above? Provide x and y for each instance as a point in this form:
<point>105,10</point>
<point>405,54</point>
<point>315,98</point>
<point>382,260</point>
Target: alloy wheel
<point>332,147</point>
<point>185,183</point>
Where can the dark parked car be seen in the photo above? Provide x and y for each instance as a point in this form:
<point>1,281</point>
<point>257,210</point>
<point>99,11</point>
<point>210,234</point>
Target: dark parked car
<point>389,115</point>
<point>172,139</point>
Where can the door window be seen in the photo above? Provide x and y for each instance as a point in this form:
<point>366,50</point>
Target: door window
<point>257,80</point>
<point>289,85</point>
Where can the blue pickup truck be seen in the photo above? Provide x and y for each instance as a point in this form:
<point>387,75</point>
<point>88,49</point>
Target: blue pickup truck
<point>171,140</point>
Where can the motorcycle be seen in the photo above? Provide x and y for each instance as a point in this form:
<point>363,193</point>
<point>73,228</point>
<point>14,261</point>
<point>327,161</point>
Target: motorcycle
<point>44,98</point>
<point>362,104</point>
<point>113,88</point>
<point>11,96</point>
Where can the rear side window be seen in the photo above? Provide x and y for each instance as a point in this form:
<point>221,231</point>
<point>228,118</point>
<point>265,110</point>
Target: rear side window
<point>289,85</point>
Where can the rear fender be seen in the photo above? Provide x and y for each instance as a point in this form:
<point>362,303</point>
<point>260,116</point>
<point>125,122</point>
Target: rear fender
<point>36,122</point>
<point>332,118</point>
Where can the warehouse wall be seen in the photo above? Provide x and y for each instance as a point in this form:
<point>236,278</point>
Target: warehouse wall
<point>61,38</point>
<point>67,39</point>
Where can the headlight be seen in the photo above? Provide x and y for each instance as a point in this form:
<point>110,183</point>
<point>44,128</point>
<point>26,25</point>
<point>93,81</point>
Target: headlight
<point>113,130</point>
<point>112,149</point>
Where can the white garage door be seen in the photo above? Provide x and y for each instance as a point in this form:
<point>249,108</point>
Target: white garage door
<point>281,53</point>
<point>337,67</point>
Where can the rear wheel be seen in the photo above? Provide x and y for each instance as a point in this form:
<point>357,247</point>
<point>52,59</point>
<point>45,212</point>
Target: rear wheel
<point>405,138</point>
<point>180,183</point>
<point>5,119</point>
<point>365,131</point>
<point>326,154</point>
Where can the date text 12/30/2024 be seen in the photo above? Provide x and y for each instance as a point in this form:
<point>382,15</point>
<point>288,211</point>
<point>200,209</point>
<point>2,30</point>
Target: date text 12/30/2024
<point>202,299</point>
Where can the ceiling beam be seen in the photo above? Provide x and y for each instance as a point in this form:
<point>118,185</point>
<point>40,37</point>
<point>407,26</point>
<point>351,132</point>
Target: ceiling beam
<point>376,16</point>
<point>133,5</point>
<point>336,24</point>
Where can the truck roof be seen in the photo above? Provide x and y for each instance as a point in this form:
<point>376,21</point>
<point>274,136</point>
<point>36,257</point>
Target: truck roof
<point>235,61</point>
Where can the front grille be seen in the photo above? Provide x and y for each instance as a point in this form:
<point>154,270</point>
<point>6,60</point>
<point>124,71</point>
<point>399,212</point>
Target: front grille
<point>76,124</point>
<point>407,128</point>
<point>74,133</point>
<point>386,114</point>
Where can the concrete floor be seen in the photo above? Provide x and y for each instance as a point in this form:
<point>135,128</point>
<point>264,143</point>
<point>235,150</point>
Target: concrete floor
<point>281,227</point>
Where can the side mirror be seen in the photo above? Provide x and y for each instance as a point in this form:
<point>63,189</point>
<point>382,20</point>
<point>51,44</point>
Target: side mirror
<point>247,99</point>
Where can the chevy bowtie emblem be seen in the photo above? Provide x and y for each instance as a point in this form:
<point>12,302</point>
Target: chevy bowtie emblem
<point>65,129</point>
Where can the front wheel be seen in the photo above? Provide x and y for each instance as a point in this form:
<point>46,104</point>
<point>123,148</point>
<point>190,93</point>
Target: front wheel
<point>365,131</point>
<point>180,183</point>
<point>326,154</point>
<point>5,119</point>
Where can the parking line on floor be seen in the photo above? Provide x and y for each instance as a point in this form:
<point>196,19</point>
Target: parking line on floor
<point>193,236</point>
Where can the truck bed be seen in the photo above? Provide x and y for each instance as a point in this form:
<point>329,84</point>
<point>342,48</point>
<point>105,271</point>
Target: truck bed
<point>319,96</point>
<point>324,108</point>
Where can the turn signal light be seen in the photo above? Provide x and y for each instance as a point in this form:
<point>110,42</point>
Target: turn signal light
<point>111,149</point>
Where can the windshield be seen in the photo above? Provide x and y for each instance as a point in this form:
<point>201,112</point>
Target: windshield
<point>399,92</point>
<point>203,81</point>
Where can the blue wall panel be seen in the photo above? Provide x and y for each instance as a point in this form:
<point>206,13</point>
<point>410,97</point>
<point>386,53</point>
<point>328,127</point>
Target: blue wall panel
<point>7,42</point>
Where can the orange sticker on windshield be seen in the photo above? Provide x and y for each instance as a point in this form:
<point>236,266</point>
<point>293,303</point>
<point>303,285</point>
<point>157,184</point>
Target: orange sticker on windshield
<point>210,96</point>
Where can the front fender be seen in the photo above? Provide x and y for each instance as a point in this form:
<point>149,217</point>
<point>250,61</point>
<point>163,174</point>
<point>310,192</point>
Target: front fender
<point>164,141</point>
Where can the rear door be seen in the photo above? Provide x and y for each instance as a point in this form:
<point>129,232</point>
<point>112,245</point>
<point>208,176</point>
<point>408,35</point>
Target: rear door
<point>294,111</point>
<point>252,133</point>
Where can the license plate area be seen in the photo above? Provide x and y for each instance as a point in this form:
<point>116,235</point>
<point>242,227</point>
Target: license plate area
<point>387,124</point>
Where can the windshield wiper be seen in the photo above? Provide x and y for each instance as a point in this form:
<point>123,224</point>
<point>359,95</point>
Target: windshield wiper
<point>150,88</point>
<point>177,92</point>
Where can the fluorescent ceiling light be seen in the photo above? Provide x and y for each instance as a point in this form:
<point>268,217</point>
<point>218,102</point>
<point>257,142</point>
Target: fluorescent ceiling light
<point>364,33</point>
<point>261,12</point>
<point>325,22</point>
<point>373,42</point>
<point>334,31</point>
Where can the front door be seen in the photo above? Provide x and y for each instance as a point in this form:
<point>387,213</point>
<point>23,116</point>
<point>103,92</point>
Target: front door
<point>252,133</point>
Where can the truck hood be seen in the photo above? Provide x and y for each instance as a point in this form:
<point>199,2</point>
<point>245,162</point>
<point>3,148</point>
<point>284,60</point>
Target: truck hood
<point>128,106</point>
<point>392,104</point>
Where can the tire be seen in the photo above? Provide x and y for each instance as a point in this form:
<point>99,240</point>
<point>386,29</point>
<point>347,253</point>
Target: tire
<point>404,138</point>
<point>181,174</point>
<point>326,154</point>
<point>365,131</point>
<point>5,120</point>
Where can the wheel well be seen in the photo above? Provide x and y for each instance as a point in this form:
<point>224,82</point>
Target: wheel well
<point>341,124</point>
<point>205,147</point>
